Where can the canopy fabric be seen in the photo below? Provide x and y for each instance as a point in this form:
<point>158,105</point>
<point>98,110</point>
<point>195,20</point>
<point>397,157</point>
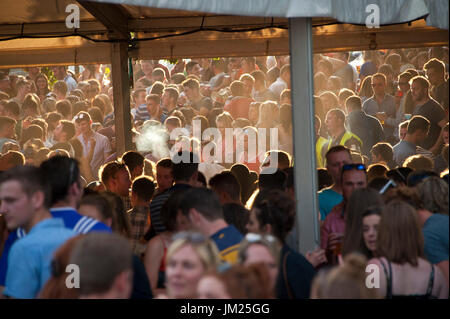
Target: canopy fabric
<point>345,11</point>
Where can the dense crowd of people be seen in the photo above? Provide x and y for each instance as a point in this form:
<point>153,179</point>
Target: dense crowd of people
<point>204,205</point>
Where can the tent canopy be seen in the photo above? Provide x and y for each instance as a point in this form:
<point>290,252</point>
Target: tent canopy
<point>34,32</point>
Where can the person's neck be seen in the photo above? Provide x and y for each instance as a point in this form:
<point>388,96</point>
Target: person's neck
<point>141,203</point>
<point>337,187</point>
<point>423,216</point>
<point>88,134</point>
<point>170,107</point>
<point>411,139</point>
<point>156,114</point>
<point>214,227</point>
<point>38,216</point>
<point>338,132</point>
<point>69,202</point>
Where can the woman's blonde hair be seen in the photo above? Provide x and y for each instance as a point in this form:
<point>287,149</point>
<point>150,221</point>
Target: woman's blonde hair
<point>346,281</point>
<point>433,193</point>
<point>266,111</point>
<point>205,248</point>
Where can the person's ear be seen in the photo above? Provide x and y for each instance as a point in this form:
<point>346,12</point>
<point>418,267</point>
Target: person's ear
<point>38,199</point>
<point>194,216</point>
<point>75,190</point>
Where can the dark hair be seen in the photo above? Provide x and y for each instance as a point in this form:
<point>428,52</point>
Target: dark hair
<point>385,150</point>
<point>132,159</point>
<point>64,107</point>
<point>164,162</point>
<point>170,209</point>
<point>14,158</point>
<point>68,128</point>
<point>276,208</point>
<point>237,215</point>
<point>5,120</point>
<point>399,174</point>
<point>259,75</point>
<point>96,114</point>
<point>60,172</point>
<point>358,204</point>
<point>190,65</point>
<point>13,108</point>
<point>336,149</point>
<point>378,183</point>
<point>144,188</point>
<point>109,170</point>
<point>100,203</point>
<point>51,118</point>
<point>415,177</point>
<point>418,122</point>
<point>226,182</point>
<point>184,165</point>
<point>353,103</point>
<point>31,179</point>
<point>276,180</point>
<point>30,102</point>
<point>120,223</point>
<point>205,201</point>
<point>32,131</point>
<point>201,179</point>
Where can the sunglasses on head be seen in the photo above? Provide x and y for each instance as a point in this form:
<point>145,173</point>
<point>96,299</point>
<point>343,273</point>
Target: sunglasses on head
<point>253,238</point>
<point>359,167</point>
<point>190,236</point>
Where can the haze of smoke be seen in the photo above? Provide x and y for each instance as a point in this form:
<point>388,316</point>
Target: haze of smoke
<point>153,139</point>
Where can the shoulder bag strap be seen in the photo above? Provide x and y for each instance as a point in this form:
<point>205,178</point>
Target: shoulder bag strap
<point>288,287</point>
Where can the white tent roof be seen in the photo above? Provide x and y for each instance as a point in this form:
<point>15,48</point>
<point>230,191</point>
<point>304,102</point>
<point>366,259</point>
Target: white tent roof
<point>33,32</point>
<point>346,11</point>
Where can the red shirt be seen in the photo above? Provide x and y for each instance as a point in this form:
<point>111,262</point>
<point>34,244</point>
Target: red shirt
<point>334,223</point>
<point>238,107</point>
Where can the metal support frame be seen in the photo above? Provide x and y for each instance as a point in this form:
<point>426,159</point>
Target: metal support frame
<point>121,93</point>
<point>305,175</point>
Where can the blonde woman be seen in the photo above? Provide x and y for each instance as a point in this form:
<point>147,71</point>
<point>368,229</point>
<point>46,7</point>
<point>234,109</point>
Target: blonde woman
<point>189,257</point>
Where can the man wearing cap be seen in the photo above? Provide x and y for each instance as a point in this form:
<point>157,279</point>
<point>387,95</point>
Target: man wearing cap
<point>89,138</point>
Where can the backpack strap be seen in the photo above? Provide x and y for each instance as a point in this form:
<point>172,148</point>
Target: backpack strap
<point>288,287</point>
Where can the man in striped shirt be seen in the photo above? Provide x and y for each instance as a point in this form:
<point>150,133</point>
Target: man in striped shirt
<point>185,172</point>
